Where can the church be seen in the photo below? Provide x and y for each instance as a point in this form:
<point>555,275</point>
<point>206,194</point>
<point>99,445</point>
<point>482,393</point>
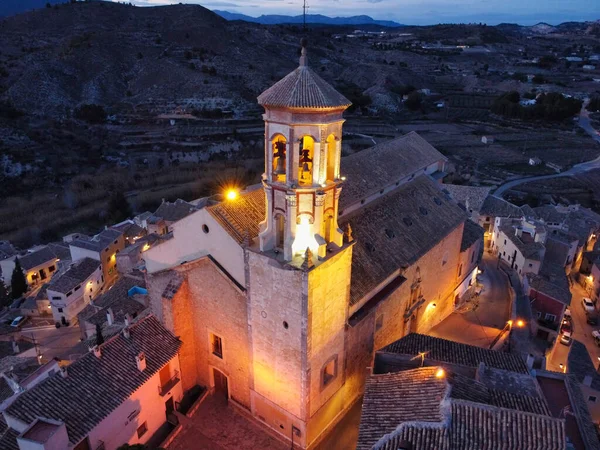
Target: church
<point>282,294</point>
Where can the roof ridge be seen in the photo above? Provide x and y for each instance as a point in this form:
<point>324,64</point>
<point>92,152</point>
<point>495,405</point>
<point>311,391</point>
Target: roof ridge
<point>489,407</point>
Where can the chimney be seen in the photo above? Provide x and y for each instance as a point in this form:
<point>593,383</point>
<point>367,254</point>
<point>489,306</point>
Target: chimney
<point>110,316</point>
<point>588,380</point>
<point>530,361</point>
<point>140,360</point>
<point>126,333</point>
<point>63,372</point>
<point>15,347</point>
<point>127,319</point>
<point>97,351</point>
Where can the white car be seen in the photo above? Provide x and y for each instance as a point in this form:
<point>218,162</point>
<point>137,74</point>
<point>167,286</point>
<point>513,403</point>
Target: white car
<point>565,338</point>
<point>18,321</point>
<point>587,304</point>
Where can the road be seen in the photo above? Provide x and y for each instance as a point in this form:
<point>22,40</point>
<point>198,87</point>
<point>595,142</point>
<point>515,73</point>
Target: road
<point>482,319</point>
<point>582,332</point>
<point>585,123</point>
<point>62,343</point>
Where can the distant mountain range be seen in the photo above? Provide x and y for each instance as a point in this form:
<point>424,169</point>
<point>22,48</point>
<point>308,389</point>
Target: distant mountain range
<point>273,19</point>
<point>10,7</point>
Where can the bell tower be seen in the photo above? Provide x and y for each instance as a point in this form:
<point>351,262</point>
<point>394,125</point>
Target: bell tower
<point>303,132</point>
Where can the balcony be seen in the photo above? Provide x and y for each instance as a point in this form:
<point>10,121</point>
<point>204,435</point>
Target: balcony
<point>170,384</point>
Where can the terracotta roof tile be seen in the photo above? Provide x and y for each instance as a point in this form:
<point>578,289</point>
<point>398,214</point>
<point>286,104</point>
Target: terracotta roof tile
<point>443,350</point>
<point>370,170</point>
<point>77,274</point>
<point>242,215</point>
<point>303,89</point>
<point>397,230</point>
<point>94,387</point>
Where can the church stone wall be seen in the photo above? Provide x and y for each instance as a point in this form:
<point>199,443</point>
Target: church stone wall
<point>438,282</point>
<point>328,293</point>
<point>218,307</point>
<point>277,298</point>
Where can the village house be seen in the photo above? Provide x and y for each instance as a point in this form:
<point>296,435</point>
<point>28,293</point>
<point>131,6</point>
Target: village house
<point>549,296</point>
<point>520,243</point>
<point>70,292</point>
<point>38,266</point>
<point>171,212</point>
<point>130,258</point>
<point>581,366</point>
<point>435,394</point>
<point>127,297</point>
<point>104,248</point>
<point>485,208</point>
<point>281,293</point>
<point>130,384</point>
<point>132,232</point>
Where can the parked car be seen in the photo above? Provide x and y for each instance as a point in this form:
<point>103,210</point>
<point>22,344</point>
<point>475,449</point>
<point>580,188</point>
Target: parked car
<point>566,325</point>
<point>566,338</point>
<point>587,304</point>
<point>591,317</point>
<point>596,336</point>
<point>18,321</point>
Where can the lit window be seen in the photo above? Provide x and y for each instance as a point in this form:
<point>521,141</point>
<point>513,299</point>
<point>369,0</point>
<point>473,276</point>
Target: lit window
<point>329,371</point>
<point>142,429</point>
<point>216,345</point>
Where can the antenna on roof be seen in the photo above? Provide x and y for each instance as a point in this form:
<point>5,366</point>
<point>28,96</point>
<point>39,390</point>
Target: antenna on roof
<point>304,8</point>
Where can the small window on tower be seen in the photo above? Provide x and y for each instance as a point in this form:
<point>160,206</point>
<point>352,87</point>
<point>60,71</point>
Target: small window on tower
<point>216,345</point>
<point>329,371</point>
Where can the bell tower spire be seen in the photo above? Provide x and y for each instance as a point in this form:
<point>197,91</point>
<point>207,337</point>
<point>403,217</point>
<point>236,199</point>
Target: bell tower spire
<point>303,133</point>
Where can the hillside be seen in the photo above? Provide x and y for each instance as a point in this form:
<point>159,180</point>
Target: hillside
<point>273,19</point>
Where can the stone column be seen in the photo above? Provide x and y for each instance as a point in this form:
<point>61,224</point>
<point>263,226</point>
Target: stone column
<point>293,149</point>
<point>290,225</point>
<point>318,224</point>
<point>266,236</point>
<point>338,158</point>
<point>268,155</point>
<point>316,168</point>
<point>338,235</point>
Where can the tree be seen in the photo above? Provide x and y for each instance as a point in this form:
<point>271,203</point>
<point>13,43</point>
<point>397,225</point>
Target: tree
<point>18,283</point>
<point>99,337</point>
<point>118,207</point>
<point>413,102</point>
<point>4,297</point>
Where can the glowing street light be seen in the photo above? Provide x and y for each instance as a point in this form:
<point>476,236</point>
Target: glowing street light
<point>520,323</point>
<point>231,194</point>
<point>440,373</point>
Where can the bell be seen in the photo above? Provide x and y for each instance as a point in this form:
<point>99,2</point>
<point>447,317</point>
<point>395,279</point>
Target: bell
<point>280,169</point>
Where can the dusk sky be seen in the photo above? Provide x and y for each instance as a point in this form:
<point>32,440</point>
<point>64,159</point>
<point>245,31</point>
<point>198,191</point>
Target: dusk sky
<point>418,12</point>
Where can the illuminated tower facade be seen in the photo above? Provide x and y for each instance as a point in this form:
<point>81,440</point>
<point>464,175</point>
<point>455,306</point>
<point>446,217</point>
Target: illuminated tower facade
<point>303,133</point>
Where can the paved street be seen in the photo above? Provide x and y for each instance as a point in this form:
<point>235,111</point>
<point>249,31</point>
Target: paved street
<point>218,427</point>
<point>582,332</point>
<point>60,343</point>
<point>481,319</point>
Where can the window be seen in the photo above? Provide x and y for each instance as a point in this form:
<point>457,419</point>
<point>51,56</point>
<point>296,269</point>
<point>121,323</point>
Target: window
<point>77,288</point>
<point>539,315</point>
<point>487,219</point>
<point>142,429</point>
<point>60,310</point>
<point>216,345</point>
<point>379,322</point>
<point>69,293</point>
<point>472,256</point>
<point>43,274</point>
<point>530,265</point>
<point>550,317</point>
<point>56,297</point>
<point>329,371</point>
<point>204,228</point>
<point>592,398</point>
<point>504,253</point>
<point>108,260</point>
<point>102,278</point>
<point>51,268</point>
<point>445,259</point>
<point>504,241</point>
